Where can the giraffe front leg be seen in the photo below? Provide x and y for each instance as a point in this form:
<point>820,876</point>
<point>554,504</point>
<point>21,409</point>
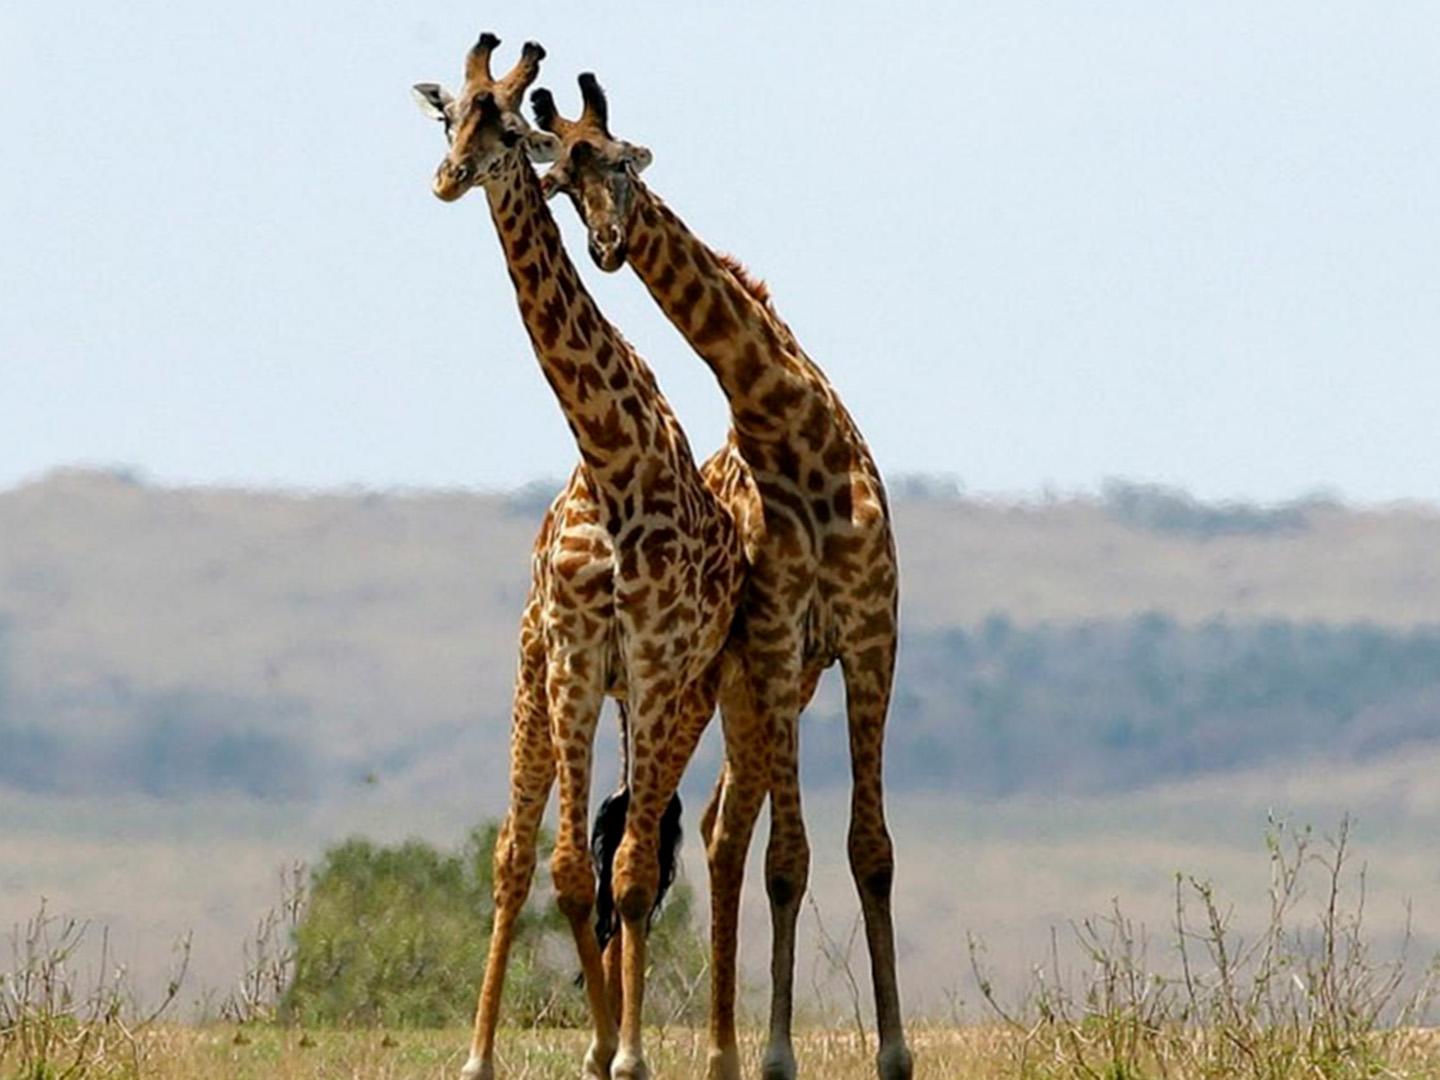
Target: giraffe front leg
<point>532,774</point>
<point>575,707</point>
<point>514,871</point>
<point>740,803</point>
<point>787,873</point>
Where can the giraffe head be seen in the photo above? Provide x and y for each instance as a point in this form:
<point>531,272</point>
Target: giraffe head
<point>484,124</point>
<point>597,170</point>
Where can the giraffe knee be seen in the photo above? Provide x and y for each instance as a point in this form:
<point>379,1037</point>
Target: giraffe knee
<point>512,859</point>
<point>786,878</point>
<point>787,868</point>
<point>872,863</point>
<point>574,882</point>
<point>783,889</point>
<point>635,880</point>
<point>878,883</point>
<point>513,868</point>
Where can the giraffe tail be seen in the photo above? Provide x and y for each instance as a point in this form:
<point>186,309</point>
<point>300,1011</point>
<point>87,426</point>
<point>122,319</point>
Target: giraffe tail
<point>605,840</point>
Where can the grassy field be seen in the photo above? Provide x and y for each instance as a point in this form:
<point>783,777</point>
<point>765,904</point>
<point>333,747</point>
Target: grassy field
<point>183,1053</point>
<point>941,1053</point>
<point>1300,978</point>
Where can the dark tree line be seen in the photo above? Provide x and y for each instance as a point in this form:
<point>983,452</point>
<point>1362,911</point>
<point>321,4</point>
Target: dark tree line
<point>988,710</point>
<point>1120,704</point>
<point>1162,509</point>
<point>167,743</point>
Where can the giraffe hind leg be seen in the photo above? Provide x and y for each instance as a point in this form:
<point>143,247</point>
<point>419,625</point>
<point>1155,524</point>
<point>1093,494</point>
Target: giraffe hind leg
<point>787,865</point>
<point>727,828</point>
<point>666,733</point>
<point>868,677</point>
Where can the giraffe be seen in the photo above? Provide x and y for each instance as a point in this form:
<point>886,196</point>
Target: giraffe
<point>823,585</point>
<point>635,577</point>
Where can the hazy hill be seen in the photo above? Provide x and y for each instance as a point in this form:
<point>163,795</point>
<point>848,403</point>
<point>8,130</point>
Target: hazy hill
<point>183,640</point>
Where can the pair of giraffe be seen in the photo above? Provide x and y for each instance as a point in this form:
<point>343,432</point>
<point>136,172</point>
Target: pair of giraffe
<point>674,588</point>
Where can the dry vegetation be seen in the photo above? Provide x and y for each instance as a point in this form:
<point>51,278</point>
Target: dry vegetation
<point>1309,995</point>
<point>182,1053</point>
<point>980,1052</point>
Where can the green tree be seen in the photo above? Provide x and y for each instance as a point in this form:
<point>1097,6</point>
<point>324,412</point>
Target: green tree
<point>397,937</point>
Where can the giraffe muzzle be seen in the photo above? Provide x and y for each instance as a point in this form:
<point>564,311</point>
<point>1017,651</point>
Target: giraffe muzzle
<point>608,248</point>
<point>451,181</point>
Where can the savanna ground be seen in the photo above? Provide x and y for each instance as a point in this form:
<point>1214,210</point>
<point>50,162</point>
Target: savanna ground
<point>1307,993</point>
<point>261,1054</point>
<point>951,1053</point>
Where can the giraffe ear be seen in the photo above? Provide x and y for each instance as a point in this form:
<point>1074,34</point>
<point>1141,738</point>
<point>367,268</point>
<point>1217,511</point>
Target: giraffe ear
<point>553,181</point>
<point>542,146</point>
<point>433,100</point>
<point>637,157</point>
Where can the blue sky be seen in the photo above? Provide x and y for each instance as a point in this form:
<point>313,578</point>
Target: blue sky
<point>1032,243</point>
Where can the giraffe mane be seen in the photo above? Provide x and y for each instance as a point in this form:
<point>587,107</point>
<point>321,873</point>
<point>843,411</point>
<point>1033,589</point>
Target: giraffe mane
<point>748,281</point>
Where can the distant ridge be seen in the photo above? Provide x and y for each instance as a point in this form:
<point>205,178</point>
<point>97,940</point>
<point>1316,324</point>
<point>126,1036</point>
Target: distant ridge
<point>176,639</point>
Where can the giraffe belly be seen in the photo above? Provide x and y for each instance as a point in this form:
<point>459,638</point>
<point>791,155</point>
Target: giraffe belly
<point>818,643</point>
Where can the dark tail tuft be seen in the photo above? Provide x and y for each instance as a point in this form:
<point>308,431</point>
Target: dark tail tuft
<point>670,836</point>
<point>605,840</point>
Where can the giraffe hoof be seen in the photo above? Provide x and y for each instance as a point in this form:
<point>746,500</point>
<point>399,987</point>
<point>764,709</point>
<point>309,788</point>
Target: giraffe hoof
<point>597,1062</point>
<point>894,1062</point>
<point>724,1064</point>
<point>628,1066</point>
<point>478,1069</point>
<point>779,1064</point>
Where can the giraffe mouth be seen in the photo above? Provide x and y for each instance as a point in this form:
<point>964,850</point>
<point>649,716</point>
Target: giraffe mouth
<point>609,257</point>
<point>446,188</point>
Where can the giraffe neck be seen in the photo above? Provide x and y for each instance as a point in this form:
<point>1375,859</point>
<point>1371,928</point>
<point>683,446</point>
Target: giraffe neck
<point>770,383</point>
<point>607,393</point>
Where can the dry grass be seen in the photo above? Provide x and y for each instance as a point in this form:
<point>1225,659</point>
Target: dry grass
<point>181,1053</point>
<point>1309,995</point>
<point>1305,990</point>
<point>941,1053</point>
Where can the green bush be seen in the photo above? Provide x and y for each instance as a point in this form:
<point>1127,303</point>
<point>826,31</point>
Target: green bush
<point>397,937</point>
